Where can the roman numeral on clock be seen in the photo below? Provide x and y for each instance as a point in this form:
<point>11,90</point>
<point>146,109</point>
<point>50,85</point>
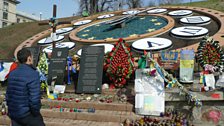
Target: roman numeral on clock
<point>150,44</point>
<point>191,31</point>
<point>194,19</point>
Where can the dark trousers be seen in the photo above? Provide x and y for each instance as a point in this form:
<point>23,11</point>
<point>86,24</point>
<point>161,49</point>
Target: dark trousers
<point>29,120</point>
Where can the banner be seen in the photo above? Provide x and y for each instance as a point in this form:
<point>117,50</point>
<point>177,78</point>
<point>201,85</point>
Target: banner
<point>169,56</point>
<point>150,93</point>
<point>169,60</point>
<point>5,69</point>
<point>186,66</point>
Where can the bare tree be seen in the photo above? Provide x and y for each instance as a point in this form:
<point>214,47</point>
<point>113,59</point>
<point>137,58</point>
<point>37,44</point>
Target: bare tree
<point>134,3</point>
<point>118,4</point>
<point>83,5</point>
<point>169,1</point>
<point>105,5</point>
<point>95,6</point>
<point>151,3</point>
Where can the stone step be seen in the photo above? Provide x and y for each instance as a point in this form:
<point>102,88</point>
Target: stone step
<point>93,104</point>
<point>98,116</point>
<point>5,121</point>
<point>71,122</point>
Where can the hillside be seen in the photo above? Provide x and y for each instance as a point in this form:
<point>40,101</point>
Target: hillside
<point>12,36</point>
<point>211,4</point>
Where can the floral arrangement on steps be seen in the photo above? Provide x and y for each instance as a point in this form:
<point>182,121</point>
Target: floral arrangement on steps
<point>173,82</point>
<point>210,52</point>
<point>43,69</point>
<point>119,64</point>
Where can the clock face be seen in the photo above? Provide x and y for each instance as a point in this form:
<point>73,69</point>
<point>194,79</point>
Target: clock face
<point>157,11</point>
<point>105,16</point>
<point>196,20</point>
<point>180,13</point>
<point>151,44</point>
<point>69,45</point>
<point>107,48</point>
<point>64,31</point>
<point>181,26</point>
<point>48,40</point>
<point>83,22</point>
<point>131,12</point>
<point>189,32</point>
<point>105,31</point>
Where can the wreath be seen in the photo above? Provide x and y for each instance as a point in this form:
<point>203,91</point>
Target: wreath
<point>210,52</point>
<point>119,64</point>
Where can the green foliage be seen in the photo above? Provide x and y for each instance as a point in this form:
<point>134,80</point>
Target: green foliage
<point>43,68</point>
<point>11,36</point>
<point>42,64</point>
<point>211,4</point>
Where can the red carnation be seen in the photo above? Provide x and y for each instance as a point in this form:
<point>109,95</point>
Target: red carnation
<point>120,39</point>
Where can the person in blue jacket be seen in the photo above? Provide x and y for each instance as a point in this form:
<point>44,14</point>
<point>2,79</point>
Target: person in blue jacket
<point>23,92</point>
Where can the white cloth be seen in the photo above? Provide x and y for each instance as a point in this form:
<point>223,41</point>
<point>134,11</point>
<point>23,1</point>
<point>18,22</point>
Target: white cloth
<point>150,94</point>
<point>220,81</point>
<point>5,71</point>
<point>210,80</point>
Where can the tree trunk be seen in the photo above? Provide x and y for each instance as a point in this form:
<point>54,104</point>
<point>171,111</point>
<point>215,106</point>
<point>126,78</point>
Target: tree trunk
<point>93,6</point>
<point>86,5</point>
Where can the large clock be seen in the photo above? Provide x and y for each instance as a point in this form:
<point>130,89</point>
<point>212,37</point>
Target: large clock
<point>182,26</point>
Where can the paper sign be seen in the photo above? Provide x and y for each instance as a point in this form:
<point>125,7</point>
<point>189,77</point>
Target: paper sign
<point>59,89</point>
<point>150,94</point>
<point>210,80</point>
<point>186,63</point>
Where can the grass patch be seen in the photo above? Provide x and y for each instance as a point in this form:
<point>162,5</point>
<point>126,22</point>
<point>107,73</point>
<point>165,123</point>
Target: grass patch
<point>13,35</point>
<point>211,4</point>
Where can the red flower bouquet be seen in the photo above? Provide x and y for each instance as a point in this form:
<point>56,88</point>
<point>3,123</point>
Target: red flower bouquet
<point>119,64</point>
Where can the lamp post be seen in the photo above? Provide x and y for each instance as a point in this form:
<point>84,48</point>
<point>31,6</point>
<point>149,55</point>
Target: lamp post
<point>40,15</point>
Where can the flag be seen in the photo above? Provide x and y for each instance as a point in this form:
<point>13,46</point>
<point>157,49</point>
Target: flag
<point>6,68</point>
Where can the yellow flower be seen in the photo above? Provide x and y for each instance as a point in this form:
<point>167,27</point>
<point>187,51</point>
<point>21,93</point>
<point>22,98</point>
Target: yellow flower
<point>153,20</point>
<point>91,38</point>
<point>84,35</point>
<point>151,30</point>
<point>133,35</point>
<point>87,30</point>
<point>158,23</point>
<point>109,38</point>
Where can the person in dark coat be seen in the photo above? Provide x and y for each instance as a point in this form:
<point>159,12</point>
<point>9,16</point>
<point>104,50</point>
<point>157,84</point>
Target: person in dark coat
<point>23,92</point>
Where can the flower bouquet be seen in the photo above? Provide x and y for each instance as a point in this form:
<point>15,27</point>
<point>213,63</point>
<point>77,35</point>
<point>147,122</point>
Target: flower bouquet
<point>119,64</point>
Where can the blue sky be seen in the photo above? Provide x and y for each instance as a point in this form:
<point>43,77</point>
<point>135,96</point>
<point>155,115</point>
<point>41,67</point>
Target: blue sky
<point>65,8</point>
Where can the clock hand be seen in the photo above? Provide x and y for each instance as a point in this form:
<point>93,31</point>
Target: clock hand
<point>150,44</point>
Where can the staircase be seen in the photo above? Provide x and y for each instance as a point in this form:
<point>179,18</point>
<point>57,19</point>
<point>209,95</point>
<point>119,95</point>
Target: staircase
<point>115,113</point>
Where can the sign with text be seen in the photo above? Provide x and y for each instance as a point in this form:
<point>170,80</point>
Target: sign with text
<point>57,65</point>
<point>150,93</point>
<point>35,53</point>
<point>91,70</point>
<point>169,56</point>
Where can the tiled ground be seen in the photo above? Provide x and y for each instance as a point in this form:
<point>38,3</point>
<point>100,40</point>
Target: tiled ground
<point>64,122</point>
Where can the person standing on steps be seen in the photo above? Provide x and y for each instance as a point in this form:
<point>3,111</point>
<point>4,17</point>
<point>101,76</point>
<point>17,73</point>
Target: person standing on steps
<point>23,92</point>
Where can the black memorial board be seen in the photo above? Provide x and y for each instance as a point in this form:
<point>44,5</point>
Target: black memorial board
<point>57,65</point>
<point>91,70</point>
<point>35,52</point>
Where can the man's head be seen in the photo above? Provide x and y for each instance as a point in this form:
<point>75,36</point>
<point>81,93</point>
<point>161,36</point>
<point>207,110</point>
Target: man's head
<point>24,56</point>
